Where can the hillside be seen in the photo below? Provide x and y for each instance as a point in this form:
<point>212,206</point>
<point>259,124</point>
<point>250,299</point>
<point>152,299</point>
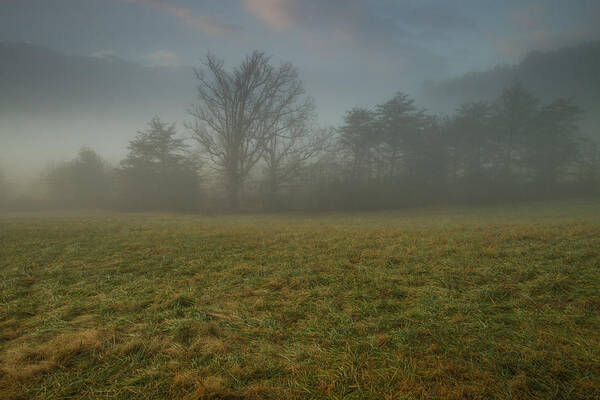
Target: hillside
<point>36,79</point>
<point>52,103</point>
<point>566,72</point>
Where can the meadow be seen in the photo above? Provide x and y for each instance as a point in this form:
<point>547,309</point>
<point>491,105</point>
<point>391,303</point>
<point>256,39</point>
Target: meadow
<point>442,303</point>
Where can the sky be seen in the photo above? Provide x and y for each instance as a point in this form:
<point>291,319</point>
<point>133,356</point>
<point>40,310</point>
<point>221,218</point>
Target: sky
<point>398,43</point>
<point>348,52</point>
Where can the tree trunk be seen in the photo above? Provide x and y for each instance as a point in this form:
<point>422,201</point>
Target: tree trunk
<point>233,186</point>
<point>233,198</point>
<point>272,191</point>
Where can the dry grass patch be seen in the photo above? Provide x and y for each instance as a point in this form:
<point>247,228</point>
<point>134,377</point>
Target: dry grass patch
<point>26,364</point>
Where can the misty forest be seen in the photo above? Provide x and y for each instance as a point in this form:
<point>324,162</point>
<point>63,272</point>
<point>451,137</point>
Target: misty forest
<point>286,199</point>
<point>252,142</point>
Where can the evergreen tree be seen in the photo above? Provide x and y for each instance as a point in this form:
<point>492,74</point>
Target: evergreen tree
<point>159,171</point>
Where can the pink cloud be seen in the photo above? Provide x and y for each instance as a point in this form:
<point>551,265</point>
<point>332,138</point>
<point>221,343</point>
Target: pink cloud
<point>277,14</point>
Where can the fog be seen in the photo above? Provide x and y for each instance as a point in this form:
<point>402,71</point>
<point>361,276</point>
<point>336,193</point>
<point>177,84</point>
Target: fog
<point>135,104</point>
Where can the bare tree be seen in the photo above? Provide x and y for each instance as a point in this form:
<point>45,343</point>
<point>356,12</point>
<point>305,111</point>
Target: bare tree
<point>240,111</point>
<point>289,148</point>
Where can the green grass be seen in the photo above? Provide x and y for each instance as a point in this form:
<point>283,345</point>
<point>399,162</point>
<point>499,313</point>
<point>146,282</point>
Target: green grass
<point>491,302</point>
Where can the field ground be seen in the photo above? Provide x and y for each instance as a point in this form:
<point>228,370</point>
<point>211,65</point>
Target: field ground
<point>489,302</point>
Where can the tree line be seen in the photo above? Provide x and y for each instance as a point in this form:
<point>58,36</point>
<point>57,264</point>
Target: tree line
<point>252,143</point>
<point>513,147</point>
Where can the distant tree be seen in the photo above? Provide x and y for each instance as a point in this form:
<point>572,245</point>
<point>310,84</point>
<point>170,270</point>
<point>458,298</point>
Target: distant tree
<point>588,164</point>
<point>472,141</point>
<point>240,112</point>
<point>552,145</point>
<point>358,139</point>
<point>159,172</point>
<point>434,158</point>
<point>401,126</point>
<point>82,182</point>
<point>286,154</point>
<point>516,116</point>
<point>324,182</point>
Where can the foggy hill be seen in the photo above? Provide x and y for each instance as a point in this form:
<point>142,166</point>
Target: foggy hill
<point>51,103</point>
<point>566,72</point>
<point>36,79</point>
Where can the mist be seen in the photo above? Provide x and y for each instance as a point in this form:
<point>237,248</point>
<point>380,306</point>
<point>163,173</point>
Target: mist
<point>446,68</point>
<point>299,199</point>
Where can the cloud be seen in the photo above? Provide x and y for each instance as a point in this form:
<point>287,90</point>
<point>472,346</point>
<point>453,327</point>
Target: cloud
<point>384,37</point>
<point>362,16</point>
<point>162,58</point>
<point>203,23</point>
<point>103,53</point>
<point>277,14</point>
<point>328,26</point>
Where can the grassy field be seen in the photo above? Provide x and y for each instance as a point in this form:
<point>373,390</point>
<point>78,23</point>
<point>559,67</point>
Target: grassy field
<point>492,302</point>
